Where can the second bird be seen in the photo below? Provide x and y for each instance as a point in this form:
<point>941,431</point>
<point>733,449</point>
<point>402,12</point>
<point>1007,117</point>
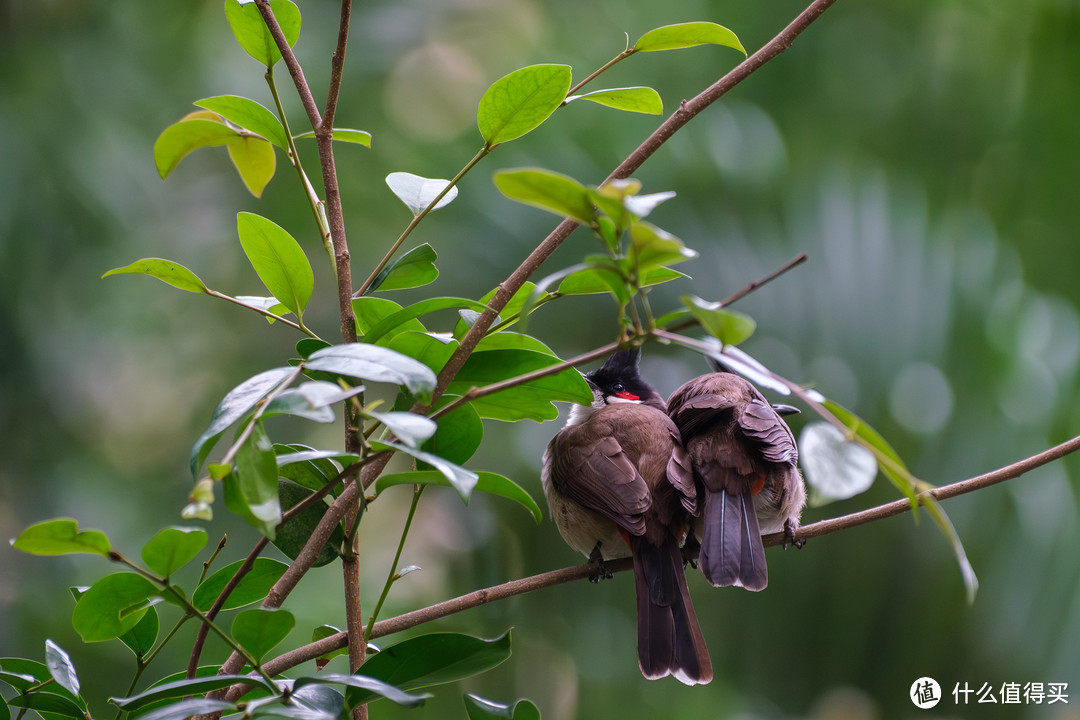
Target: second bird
<point>744,457</point>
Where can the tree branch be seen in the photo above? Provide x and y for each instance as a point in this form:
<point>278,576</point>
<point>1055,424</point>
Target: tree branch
<point>578,572</point>
<point>337,67</point>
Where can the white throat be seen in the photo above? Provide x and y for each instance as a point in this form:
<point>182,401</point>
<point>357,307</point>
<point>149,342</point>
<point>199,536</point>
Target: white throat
<point>582,413</point>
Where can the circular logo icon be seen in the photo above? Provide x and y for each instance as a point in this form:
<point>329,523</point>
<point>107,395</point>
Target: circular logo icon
<point>925,693</point>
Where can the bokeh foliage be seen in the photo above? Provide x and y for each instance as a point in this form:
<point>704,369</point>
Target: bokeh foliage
<point>923,154</point>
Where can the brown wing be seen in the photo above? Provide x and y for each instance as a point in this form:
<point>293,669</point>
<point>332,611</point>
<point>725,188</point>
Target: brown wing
<point>597,474</point>
<point>694,414</point>
<point>770,435</point>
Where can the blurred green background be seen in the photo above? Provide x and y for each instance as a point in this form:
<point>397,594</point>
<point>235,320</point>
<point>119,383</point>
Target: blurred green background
<point>924,154</point>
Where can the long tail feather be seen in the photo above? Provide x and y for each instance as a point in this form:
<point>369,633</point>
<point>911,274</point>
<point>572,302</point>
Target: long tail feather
<point>731,548</point>
<point>668,635</point>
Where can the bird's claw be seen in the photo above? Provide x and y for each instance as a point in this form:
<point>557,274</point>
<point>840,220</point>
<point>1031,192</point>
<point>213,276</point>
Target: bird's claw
<point>599,570</point>
<point>789,536</point>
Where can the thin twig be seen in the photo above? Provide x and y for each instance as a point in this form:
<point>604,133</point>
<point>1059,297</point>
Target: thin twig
<point>337,67</point>
<point>577,572</point>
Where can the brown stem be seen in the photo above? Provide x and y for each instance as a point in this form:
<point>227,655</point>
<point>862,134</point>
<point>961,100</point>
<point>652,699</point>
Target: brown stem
<point>337,66</point>
<point>204,628</point>
<point>323,136</point>
<point>577,572</point>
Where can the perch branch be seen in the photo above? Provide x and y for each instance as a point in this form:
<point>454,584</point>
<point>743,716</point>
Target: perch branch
<point>578,572</point>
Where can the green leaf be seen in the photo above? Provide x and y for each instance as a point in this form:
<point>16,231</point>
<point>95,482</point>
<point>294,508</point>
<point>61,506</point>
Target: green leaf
<point>259,630</point>
<point>310,472</point>
<point>643,205</point>
<point>428,348</point>
<point>255,160</point>
<point>512,341</point>
<point>651,247</point>
<point>141,638</point>
<point>22,673</point>
<point>459,432</point>
<point>410,428</point>
<point>488,482</point>
<point>835,468</point>
<point>257,479</point>
<point>590,281</point>
<point>532,400</point>
<point>249,115</point>
<point>253,35</point>
<point>293,535</point>
<point>49,705</point>
<point>61,537</point>
<point>252,588</point>
<point>367,684</point>
<point>456,476</point>
<point>479,708</point>
<point>60,667</point>
<point>293,402</point>
<point>519,102</point>
<point>237,403</point>
<point>419,192</point>
<point>547,190</point>
<point>684,35</point>
<point>172,549</point>
<point>727,326</point>
<point>182,688</point>
<point>631,99</point>
<point>189,708</point>
<point>894,469</point>
<point>278,260</point>
<point>5,711</point>
<point>375,363</point>
<point>167,271</point>
<point>186,136</point>
<point>325,631</point>
<point>112,606</point>
<point>415,268</point>
<point>348,135</point>
<point>431,659</point>
<point>937,513</point>
<point>306,346</point>
<point>371,310</point>
<point>424,307</point>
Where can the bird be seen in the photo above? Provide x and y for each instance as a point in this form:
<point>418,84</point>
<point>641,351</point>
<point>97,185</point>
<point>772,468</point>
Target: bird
<point>618,482</point>
<point>745,463</point>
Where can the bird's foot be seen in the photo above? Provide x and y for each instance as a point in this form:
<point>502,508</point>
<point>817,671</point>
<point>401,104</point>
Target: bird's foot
<point>692,548</point>
<point>789,535</point>
<point>599,569</point>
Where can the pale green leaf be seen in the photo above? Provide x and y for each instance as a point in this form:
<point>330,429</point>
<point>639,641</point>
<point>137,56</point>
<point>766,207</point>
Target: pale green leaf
<point>631,99</point>
<point>685,35</point>
<point>519,102</point>
<point>167,271</point>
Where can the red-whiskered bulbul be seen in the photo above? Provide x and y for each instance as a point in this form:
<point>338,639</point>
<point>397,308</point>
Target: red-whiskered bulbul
<point>744,458</point>
<point>618,483</point>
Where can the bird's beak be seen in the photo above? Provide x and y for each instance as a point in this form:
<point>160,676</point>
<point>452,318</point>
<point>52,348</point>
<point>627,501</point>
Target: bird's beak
<point>786,409</point>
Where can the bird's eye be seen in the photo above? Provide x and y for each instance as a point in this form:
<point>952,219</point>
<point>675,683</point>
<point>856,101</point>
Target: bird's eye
<point>618,387</point>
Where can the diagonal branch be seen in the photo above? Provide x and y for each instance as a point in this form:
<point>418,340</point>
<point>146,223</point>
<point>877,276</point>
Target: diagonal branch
<point>578,572</point>
<point>686,112</point>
